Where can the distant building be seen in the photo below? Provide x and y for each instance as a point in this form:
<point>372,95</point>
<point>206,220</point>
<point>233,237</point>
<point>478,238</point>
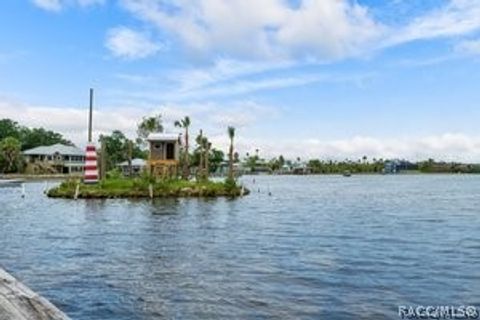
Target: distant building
<point>391,167</point>
<point>285,169</point>
<point>396,166</point>
<point>164,154</point>
<point>55,159</point>
<point>238,169</point>
<point>301,168</point>
<point>138,165</point>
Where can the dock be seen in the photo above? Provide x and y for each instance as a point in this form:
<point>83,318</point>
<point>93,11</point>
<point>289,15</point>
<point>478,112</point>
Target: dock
<point>18,302</point>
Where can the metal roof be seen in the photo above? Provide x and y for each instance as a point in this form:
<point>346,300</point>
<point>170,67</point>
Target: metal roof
<point>163,137</point>
<point>56,148</point>
<point>135,163</point>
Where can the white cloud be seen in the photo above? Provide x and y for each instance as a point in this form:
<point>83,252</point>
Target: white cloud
<point>446,147</point>
<point>468,47</point>
<point>58,5</point>
<point>72,122</point>
<point>127,43</point>
<point>86,3</point>
<point>242,87</point>
<point>268,29</point>
<point>214,119</point>
<point>276,30</point>
<point>50,5</point>
<point>457,18</point>
<point>226,78</point>
<point>223,70</point>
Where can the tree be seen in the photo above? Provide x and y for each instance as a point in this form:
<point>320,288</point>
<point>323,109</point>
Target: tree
<point>215,159</point>
<point>10,149</point>
<point>119,149</point>
<point>185,124</point>
<point>204,147</point>
<point>281,161</point>
<point>149,125</point>
<point>9,128</point>
<point>231,136</point>
<point>30,138</point>
<point>251,162</point>
<point>35,137</point>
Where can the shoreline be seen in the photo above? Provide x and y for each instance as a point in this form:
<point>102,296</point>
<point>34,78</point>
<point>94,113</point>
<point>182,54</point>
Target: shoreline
<point>140,189</point>
<point>35,177</point>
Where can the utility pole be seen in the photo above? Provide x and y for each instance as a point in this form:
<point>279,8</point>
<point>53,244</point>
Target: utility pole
<point>90,117</point>
<point>130,151</point>
<point>103,159</point>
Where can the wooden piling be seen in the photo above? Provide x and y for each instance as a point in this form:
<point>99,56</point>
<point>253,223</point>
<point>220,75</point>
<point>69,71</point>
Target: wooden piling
<point>150,190</point>
<point>77,191</point>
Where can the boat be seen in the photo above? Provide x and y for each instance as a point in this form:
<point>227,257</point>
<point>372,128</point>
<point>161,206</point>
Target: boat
<point>11,182</point>
<point>347,173</point>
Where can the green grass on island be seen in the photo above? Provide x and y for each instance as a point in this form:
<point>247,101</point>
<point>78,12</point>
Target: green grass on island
<point>140,188</point>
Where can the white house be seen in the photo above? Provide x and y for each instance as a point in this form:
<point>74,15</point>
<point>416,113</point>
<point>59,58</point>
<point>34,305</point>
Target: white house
<point>57,158</point>
<point>138,165</point>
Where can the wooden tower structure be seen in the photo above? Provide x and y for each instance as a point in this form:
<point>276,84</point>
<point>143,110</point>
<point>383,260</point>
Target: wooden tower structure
<point>164,156</point>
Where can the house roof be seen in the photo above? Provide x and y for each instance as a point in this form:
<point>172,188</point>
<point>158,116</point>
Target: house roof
<point>163,137</point>
<point>135,163</point>
<point>56,148</point>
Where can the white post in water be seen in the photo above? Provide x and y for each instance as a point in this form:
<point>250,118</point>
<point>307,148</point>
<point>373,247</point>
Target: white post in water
<point>91,170</point>
<point>77,191</point>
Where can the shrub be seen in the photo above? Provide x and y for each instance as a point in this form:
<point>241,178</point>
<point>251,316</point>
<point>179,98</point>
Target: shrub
<point>114,174</point>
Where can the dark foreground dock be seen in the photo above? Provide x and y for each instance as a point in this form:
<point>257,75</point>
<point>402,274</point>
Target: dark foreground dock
<point>18,302</point>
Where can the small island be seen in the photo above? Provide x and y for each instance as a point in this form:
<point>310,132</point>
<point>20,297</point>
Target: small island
<point>142,187</point>
<point>166,173</point>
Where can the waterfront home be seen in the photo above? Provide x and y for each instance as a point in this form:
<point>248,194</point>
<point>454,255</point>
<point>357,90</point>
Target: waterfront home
<point>396,166</point>
<point>284,169</point>
<point>238,169</point>
<point>164,156</point>
<point>301,168</point>
<point>391,167</point>
<point>54,159</point>
<point>138,165</point>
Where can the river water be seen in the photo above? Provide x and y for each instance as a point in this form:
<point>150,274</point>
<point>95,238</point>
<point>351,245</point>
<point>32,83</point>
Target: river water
<point>318,247</point>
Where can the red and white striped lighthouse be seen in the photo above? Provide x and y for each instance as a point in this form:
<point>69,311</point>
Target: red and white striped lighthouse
<point>91,170</point>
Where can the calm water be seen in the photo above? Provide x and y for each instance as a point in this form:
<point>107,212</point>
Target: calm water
<point>318,248</point>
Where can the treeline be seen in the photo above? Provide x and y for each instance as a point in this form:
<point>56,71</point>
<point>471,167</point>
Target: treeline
<point>30,137</point>
<point>118,148</point>
<point>14,138</point>
<point>361,166</point>
<point>432,166</point>
<point>364,165</point>
<point>315,166</point>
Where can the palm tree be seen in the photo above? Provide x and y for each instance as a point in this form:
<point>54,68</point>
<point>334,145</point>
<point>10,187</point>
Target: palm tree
<point>203,143</point>
<point>207,147</point>
<point>149,125</point>
<point>185,124</point>
<point>199,141</point>
<point>231,135</point>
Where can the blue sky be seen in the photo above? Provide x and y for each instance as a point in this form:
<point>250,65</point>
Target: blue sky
<point>313,78</point>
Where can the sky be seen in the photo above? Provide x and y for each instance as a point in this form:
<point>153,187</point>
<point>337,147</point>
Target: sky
<point>328,79</point>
